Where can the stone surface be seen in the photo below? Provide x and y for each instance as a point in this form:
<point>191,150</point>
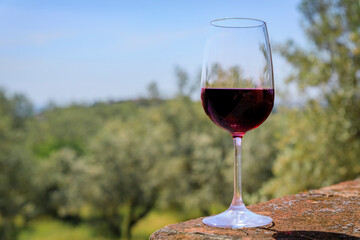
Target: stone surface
<point>327,213</point>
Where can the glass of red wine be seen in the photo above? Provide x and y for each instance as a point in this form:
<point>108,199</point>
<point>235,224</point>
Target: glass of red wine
<point>237,93</point>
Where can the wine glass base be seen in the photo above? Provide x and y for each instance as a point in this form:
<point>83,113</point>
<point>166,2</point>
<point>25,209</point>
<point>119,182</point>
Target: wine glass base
<point>237,217</point>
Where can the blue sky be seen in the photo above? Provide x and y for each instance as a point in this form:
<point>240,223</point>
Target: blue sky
<point>84,51</point>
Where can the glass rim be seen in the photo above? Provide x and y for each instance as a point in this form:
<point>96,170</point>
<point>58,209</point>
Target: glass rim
<point>257,23</point>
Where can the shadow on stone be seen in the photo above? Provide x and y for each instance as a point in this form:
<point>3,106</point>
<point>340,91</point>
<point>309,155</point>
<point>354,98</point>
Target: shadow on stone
<point>311,235</point>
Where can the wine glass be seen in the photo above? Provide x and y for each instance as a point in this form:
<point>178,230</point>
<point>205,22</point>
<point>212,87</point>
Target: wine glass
<point>237,93</point>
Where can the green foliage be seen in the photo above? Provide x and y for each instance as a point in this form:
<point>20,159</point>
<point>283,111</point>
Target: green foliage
<point>16,167</point>
<point>47,228</point>
<point>197,180</point>
<point>259,152</point>
<point>131,157</point>
<point>60,180</point>
<point>322,141</point>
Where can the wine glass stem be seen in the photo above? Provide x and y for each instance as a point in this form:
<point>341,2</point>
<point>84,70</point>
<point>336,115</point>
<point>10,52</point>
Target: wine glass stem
<point>237,201</point>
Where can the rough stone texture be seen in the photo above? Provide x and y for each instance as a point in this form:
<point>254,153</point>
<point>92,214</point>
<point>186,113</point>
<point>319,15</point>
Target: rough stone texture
<point>327,213</point>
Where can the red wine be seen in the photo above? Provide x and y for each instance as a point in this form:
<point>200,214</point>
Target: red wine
<point>237,110</point>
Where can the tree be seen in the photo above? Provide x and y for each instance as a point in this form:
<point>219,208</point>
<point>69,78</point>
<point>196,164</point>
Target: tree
<point>153,91</point>
<point>321,146</point>
<point>60,180</point>
<point>132,160</point>
<point>259,152</point>
<point>16,167</point>
<point>198,159</point>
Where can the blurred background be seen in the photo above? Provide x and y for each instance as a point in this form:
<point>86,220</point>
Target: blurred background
<point>102,133</point>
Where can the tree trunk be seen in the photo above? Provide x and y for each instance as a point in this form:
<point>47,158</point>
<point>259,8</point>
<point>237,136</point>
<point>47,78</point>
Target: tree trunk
<point>134,216</point>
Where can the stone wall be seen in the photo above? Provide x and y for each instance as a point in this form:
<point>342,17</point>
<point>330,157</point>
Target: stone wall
<point>327,213</point>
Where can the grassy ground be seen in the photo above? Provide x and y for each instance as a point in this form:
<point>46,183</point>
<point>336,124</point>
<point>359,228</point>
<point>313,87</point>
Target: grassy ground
<point>153,222</point>
<point>42,229</point>
<point>50,229</point>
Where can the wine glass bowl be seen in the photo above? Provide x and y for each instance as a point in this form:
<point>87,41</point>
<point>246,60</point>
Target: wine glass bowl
<point>237,93</point>
<point>237,110</point>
